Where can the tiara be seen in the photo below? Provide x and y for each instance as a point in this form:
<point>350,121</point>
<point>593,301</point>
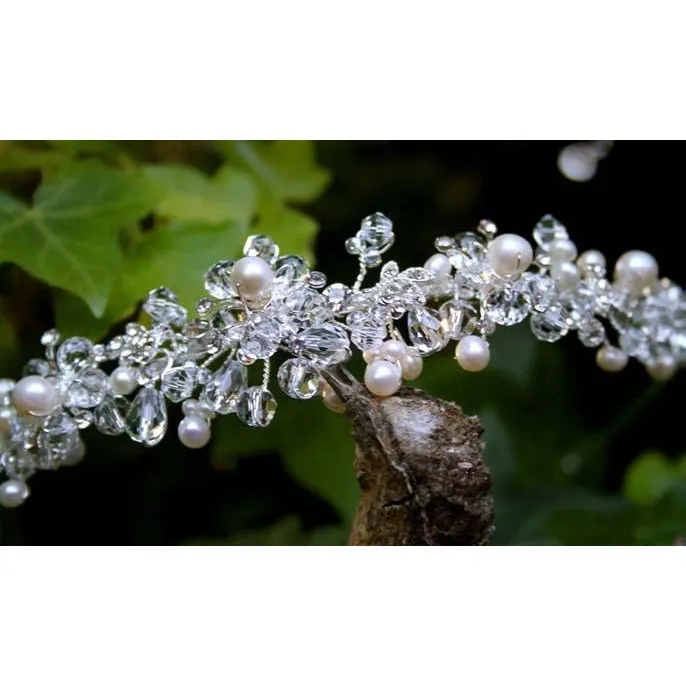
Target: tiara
<point>265,305</point>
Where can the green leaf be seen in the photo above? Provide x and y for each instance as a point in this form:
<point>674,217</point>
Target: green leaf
<point>294,231</point>
<point>176,256</point>
<point>188,194</point>
<point>16,157</point>
<point>286,170</point>
<point>649,478</point>
<point>69,238</point>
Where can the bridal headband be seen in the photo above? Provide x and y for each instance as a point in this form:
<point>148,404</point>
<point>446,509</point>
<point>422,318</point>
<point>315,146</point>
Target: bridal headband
<point>217,361</point>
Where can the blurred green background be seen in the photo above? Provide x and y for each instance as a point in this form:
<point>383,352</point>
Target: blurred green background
<point>88,227</point>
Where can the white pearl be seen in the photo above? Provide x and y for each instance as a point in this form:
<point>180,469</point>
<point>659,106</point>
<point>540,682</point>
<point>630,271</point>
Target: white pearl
<point>36,396</point>
<point>472,353</point>
<point>611,359</point>
<point>252,277</point>
<point>438,264</point>
<point>562,249</point>
<point>123,381</point>
<point>370,355</point>
<point>383,378</point>
<point>590,261</point>
<point>509,255</point>
<point>75,455</point>
<point>194,431</point>
<point>663,368</point>
<point>411,366</point>
<point>13,493</point>
<point>331,400</point>
<point>565,274</point>
<point>635,270</point>
<point>392,350</point>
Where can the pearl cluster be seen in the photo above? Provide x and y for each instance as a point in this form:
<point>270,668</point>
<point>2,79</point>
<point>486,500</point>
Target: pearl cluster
<point>265,304</point>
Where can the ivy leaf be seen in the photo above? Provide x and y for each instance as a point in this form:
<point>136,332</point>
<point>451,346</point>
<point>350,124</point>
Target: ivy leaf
<point>176,256</point>
<point>292,230</point>
<point>69,238</point>
<point>649,478</point>
<point>188,194</point>
<point>286,170</point>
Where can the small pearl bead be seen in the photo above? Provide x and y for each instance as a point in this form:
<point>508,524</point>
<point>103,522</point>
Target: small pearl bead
<point>438,264</point>
<point>472,353</point>
<point>383,378</point>
<point>76,455</point>
<point>36,396</point>
<point>590,261</point>
<point>635,270</point>
<point>411,366</point>
<point>252,277</point>
<point>194,431</point>
<point>370,355</point>
<point>509,255</point>
<point>331,400</point>
<point>611,359</point>
<point>562,249</point>
<point>392,350</point>
<point>565,274</point>
<point>663,368</point>
<point>13,493</point>
<point>123,381</point>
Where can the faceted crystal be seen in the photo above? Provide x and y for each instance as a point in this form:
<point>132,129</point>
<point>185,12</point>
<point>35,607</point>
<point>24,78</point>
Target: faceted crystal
<point>222,390</point>
<point>153,370</point>
<point>179,383</point>
<point>506,304</point>
<point>376,231</point>
<point>325,345</point>
<point>218,280</point>
<point>163,306</point>
<point>261,246</point>
<point>550,325</point>
<point>634,343</point>
<point>82,418</point>
<point>75,354</point>
<point>87,389</point>
<point>290,268</point>
<point>146,420</point>
<point>471,245</point>
<point>261,336</point>
<point>539,290</point>
<point>192,407</point>
<point>18,462</point>
<point>57,437</point>
<point>591,332</point>
<point>50,338</point>
<point>371,258</point>
<point>389,271</point>
<point>445,244</point>
<point>367,329</point>
<point>304,307</point>
<point>204,306</point>
<point>36,367</point>
<point>316,279</point>
<point>99,353</point>
<point>426,331</point>
<point>109,415</point>
<point>451,314</point>
<point>418,275</point>
<point>336,296</point>
<point>298,378</point>
<point>547,230</point>
<point>256,406</point>
<point>354,246</point>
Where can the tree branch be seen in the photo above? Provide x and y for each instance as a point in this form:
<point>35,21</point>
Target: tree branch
<point>419,462</point>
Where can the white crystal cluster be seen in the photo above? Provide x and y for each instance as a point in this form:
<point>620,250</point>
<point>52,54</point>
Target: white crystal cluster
<point>266,306</point>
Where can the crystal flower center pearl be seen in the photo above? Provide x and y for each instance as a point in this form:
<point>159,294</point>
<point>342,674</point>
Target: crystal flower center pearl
<point>13,493</point>
<point>383,378</point>
<point>472,353</point>
<point>36,396</point>
<point>194,431</point>
<point>438,264</point>
<point>509,255</point>
<point>252,277</point>
<point>123,381</point>
<point>635,270</point>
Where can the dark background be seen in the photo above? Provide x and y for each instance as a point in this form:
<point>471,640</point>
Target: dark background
<point>166,495</point>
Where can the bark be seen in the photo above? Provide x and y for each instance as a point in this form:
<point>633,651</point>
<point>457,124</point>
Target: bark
<point>419,462</point>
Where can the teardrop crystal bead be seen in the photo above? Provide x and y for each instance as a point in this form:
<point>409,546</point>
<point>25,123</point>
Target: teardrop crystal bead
<point>222,390</point>
<point>146,420</point>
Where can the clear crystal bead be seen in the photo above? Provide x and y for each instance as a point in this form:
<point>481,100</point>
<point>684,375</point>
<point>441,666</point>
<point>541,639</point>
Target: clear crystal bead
<point>204,306</point>
<point>180,382</point>
<point>36,367</point>
<point>376,231</point>
<point>451,314</point>
<point>75,354</point>
<point>591,332</point>
<point>87,388</point>
<point>298,378</point>
<point>634,343</point>
<point>83,418</point>
<point>222,390</point>
<point>256,406</point>
<point>371,258</point>
<point>336,296</point>
<point>539,290</point>
<point>325,345</point>
<point>163,306</point>
<point>445,244</point>
<point>353,246</point>
<point>99,353</point>
<point>57,437</point>
<point>261,246</point>
<point>218,280</point>
<point>289,269</point>
<point>367,329</point>
<point>550,325</point>
<point>506,304</point>
<point>18,462</point>
<point>316,279</point>
<point>153,370</point>
<point>146,420</point>
<point>418,275</point>
<point>114,347</point>
<point>389,271</point>
<point>192,407</point>
<point>547,230</point>
<point>109,416</point>
<point>426,331</point>
<point>472,246</point>
<point>261,336</point>
<point>50,338</point>
<point>304,307</point>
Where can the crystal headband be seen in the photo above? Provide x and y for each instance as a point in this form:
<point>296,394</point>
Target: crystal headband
<point>265,304</point>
